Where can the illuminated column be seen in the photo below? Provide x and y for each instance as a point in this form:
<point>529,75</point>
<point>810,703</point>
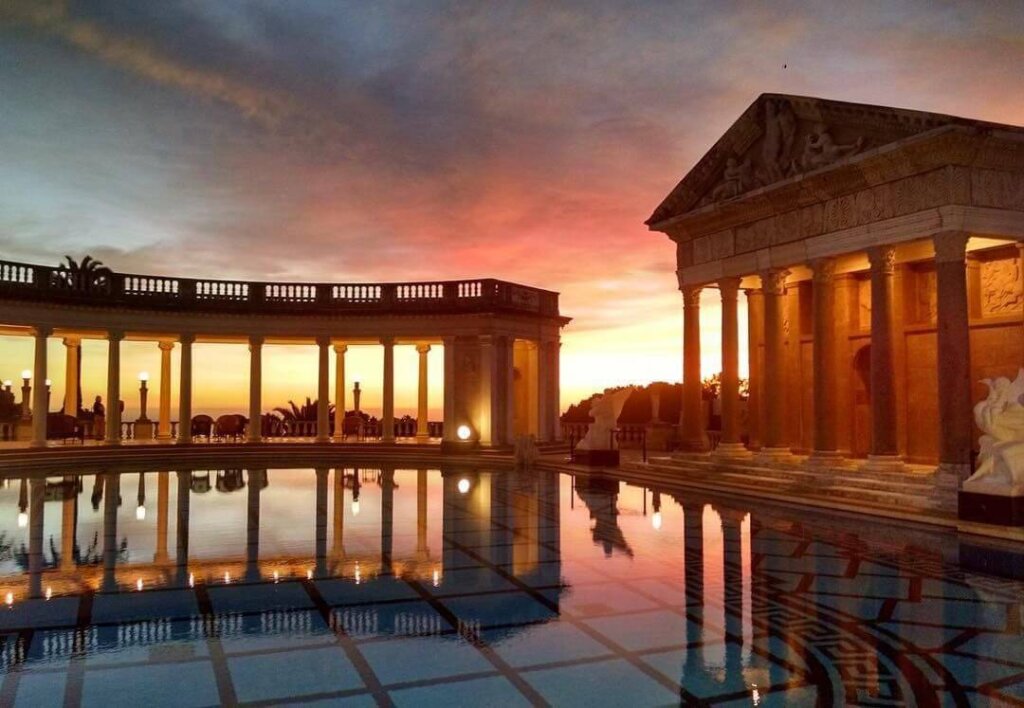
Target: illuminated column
<point>114,387</point>
<point>422,551</point>
<point>164,424</point>
<point>954,367</point>
<point>694,435</point>
<point>323,403</point>
<point>111,497</point>
<point>449,423</point>
<point>252,525</point>
<point>163,488</point>
<point>73,349</point>
<point>422,428</point>
<point>387,419</point>
<point>884,452</point>
<point>339,391</point>
<point>255,388</point>
<point>185,392</point>
<point>40,396</point>
<point>731,444</point>
<point>321,521</point>
<point>485,424</point>
<point>181,532</point>
<point>732,561</point>
<point>387,518</point>
<point>826,411</point>
<point>773,286</point>
<point>69,515</point>
<point>555,387</point>
<point>37,496</point>
<point>338,541</point>
<point>755,366</point>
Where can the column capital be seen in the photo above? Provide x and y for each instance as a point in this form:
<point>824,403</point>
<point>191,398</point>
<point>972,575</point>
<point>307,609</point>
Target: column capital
<point>729,288</point>
<point>752,292</point>
<point>691,295</point>
<point>166,345</point>
<point>256,340</point>
<point>387,341</point>
<point>882,259</point>
<point>187,338</point>
<point>728,515</point>
<point>422,348</point>
<point>340,348</point>
<point>773,281</point>
<point>950,246</point>
<point>72,342</point>
<point>115,335</point>
<point>42,331</point>
<point>824,270</point>
<point>322,340</point>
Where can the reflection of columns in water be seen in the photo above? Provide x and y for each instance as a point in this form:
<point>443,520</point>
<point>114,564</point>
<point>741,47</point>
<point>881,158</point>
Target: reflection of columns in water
<point>387,512</point>
<point>422,552</point>
<point>163,484</point>
<point>68,523</point>
<point>338,542</point>
<point>321,521</point>
<point>37,493</point>
<point>181,551</point>
<point>252,524</point>
<point>732,557</point>
<point>693,563</point>
<point>112,489</point>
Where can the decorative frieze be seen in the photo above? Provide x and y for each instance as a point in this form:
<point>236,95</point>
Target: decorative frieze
<point>1001,287</point>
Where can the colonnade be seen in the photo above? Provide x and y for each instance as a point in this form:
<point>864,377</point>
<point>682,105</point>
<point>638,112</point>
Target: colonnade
<point>767,335</point>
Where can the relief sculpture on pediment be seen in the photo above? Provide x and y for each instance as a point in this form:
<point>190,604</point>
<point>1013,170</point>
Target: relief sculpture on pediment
<point>1001,287</point>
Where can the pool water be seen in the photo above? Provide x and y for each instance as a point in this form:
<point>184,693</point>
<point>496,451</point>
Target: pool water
<point>362,586</point>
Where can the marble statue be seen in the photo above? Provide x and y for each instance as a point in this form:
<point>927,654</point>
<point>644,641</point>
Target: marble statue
<point>736,179</point>
<point>1001,459</point>
<point>605,412</point>
<point>820,150</point>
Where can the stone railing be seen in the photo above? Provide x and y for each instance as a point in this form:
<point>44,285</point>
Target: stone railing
<point>98,286</point>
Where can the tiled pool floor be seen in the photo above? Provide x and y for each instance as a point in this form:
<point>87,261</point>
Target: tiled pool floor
<point>413,587</point>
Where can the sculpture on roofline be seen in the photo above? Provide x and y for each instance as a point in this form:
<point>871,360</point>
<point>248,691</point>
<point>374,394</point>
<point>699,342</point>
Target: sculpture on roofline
<point>1001,459</point>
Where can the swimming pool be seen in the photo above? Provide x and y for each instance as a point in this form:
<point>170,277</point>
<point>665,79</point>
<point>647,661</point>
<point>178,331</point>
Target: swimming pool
<point>467,586</point>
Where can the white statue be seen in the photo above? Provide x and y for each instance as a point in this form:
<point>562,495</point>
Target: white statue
<point>1001,459</point>
<point>605,412</point>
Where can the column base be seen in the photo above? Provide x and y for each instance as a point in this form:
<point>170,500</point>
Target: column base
<point>323,440</point>
<point>37,443</point>
<point>337,438</point>
<point>731,451</point>
<point>254,441</point>
<point>422,438</point>
<point>883,463</point>
<point>112,443</point>
<point>774,455</point>
<point>164,437</point>
<point>388,440</point>
<point>819,459</point>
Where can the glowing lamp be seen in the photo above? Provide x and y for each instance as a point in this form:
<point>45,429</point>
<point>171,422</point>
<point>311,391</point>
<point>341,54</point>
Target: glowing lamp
<point>49,592</point>
<point>191,580</point>
<point>138,584</point>
<point>26,374</point>
<point>7,383</point>
<point>48,383</point>
<point>9,599</point>
<point>143,376</point>
<point>22,519</point>
<point>463,485</point>
<point>656,520</point>
<point>140,512</point>
<point>355,507</point>
<point>463,432</point>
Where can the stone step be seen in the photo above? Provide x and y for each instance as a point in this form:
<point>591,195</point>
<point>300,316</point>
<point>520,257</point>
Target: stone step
<point>882,496</point>
<point>868,483</point>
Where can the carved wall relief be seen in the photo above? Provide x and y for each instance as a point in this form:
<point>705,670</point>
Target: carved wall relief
<point>926,305</point>
<point>1001,287</point>
<point>864,303</point>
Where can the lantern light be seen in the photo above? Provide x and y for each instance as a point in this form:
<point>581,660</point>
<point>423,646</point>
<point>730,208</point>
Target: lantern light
<point>49,383</point>
<point>463,485</point>
<point>143,376</point>
<point>656,520</point>
<point>22,519</point>
<point>140,512</point>
<point>26,374</point>
<point>463,431</point>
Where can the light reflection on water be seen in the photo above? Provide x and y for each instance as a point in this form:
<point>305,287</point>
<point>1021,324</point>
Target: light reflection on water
<point>472,586</point>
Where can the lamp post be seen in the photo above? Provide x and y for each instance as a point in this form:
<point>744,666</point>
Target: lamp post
<point>143,425</point>
<point>26,394</point>
<point>48,385</point>
<point>23,504</point>
<point>140,510</point>
<point>356,393</point>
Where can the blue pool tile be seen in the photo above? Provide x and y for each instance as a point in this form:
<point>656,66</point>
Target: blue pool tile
<point>41,690</point>
<point>129,606</point>
<point>470,580</point>
<point>953,613</point>
<point>412,618</point>
<point>276,630</point>
<point>58,612</point>
<point>544,643</point>
<point>648,630</point>
<point>499,609</point>
<point>292,673</point>
<point>263,596</point>
<point>607,683</point>
<point>154,685</point>
<point>347,592</point>
<point>402,660</point>
<point>492,691</point>
<point>604,598</point>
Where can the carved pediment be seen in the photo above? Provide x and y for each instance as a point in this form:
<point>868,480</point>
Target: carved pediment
<point>779,137</point>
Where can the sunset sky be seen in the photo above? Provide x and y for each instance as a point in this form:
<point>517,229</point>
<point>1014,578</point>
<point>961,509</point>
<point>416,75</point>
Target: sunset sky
<point>369,141</point>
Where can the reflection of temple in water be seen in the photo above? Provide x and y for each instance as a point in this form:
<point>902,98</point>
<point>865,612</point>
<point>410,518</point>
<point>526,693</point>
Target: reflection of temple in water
<point>500,533</point>
<point>600,495</point>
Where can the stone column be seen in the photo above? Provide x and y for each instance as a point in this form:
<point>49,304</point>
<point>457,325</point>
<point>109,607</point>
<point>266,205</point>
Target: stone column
<point>422,550</point>
<point>321,521</point>
<point>163,487</point>
<point>164,424</point>
<point>422,429</point>
<point>755,366</point>
<point>37,498</point>
<point>73,349</point>
<point>183,516</point>
<point>252,525</point>
<point>40,396</point>
<point>185,391</point>
<point>485,424</point>
<point>338,531</point>
<point>255,433</point>
<point>731,444</point>
<point>339,391</point>
<point>323,402</point>
<point>387,519</point>
<point>884,451</point>
<point>694,435</point>
<point>114,388</point>
<point>956,425</point>
<point>773,285</point>
<point>556,388</point>
<point>449,424</point>
<point>826,447</point>
<point>387,419</point>
<point>69,517</point>
<point>112,494</point>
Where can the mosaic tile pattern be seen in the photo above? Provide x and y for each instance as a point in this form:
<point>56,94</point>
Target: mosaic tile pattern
<point>530,590</point>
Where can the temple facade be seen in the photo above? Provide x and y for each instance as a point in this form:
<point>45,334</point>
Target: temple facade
<point>879,251</point>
